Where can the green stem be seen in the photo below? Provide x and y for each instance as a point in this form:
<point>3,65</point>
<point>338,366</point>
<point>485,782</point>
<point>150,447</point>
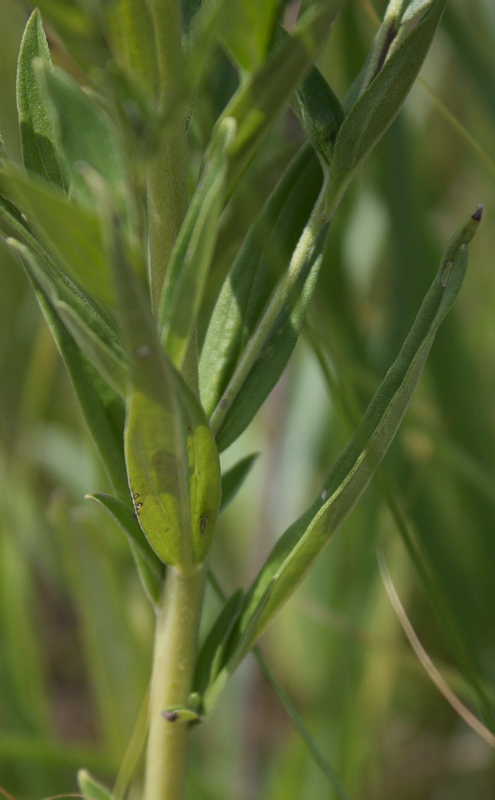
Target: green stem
<point>316,222</point>
<point>176,637</point>
<point>166,179</point>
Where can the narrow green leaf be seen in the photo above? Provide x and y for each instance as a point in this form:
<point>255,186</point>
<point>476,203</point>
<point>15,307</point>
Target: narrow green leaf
<point>91,326</point>
<point>317,107</point>
<point>378,106</point>
<point>70,233</point>
<point>133,42</point>
<point>212,653</point>
<point>268,350</point>
<point>189,9</point>
<point>257,18</point>
<point>303,542</point>
<point>149,566</point>
<point>172,460</point>
<point>101,407</point>
<point>261,99</point>
<point>85,138</point>
<point>261,261</point>
<point>233,479</point>
<point>189,263</point>
<point>39,149</point>
<point>91,788</point>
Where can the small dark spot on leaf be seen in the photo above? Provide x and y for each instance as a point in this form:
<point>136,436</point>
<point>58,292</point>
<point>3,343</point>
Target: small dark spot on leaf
<point>203,522</point>
<point>223,403</point>
<point>135,496</point>
<point>138,506</point>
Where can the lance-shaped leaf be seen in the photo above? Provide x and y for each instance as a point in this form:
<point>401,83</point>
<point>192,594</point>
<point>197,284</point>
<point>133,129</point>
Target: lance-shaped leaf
<point>70,233</point>
<point>300,546</point>
<point>378,106</point>
<point>92,789</point>
<point>233,479</point>
<point>133,42</point>
<point>257,18</point>
<point>191,257</point>
<point>212,652</point>
<point>91,326</point>
<point>85,137</point>
<point>101,407</point>
<point>317,107</point>
<point>261,98</point>
<point>150,568</point>
<point>38,140</point>
<point>259,265</point>
<point>268,349</point>
<point>172,460</point>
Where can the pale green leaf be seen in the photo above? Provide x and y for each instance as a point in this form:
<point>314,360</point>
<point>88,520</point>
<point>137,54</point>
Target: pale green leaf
<point>240,16</point>
<point>85,138</point>
<point>300,546</point>
<point>101,407</point>
<point>189,263</point>
<point>371,115</point>
<point>90,325</point>
<point>39,148</point>
<point>133,42</point>
<point>171,457</point>
<point>70,233</point>
<point>91,788</point>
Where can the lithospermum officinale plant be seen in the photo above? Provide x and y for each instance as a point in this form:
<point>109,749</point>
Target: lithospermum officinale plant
<point>119,249</point>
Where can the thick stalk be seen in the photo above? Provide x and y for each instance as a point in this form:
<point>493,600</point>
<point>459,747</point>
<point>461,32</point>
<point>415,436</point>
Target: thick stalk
<point>176,637</point>
<point>166,179</point>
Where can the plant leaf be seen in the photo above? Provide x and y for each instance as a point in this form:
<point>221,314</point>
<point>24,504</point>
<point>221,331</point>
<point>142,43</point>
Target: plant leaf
<point>85,138</point>
<point>233,479</point>
<point>212,652</point>
<point>39,150</point>
<point>257,18</point>
<point>261,99</point>
<point>254,274</point>
<point>317,107</point>
<point>172,460</point>
<point>133,42</point>
<point>149,566</point>
<point>91,327</point>
<point>91,788</point>
<point>189,263</point>
<point>371,115</point>
<point>70,233</point>
<point>304,541</point>
<point>101,407</point>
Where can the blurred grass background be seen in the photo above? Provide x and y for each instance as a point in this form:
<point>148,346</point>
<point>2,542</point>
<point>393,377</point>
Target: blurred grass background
<point>75,628</point>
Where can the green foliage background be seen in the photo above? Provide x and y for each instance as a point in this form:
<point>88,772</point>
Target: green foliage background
<point>75,628</point>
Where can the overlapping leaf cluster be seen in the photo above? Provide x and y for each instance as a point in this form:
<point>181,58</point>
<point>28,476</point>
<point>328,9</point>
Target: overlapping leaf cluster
<point>76,214</point>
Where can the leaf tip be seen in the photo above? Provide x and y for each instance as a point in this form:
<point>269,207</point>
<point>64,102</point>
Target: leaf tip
<point>478,213</point>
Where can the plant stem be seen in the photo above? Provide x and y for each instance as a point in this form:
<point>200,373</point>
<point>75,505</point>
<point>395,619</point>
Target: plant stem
<point>176,636</point>
<point>166,178</point>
